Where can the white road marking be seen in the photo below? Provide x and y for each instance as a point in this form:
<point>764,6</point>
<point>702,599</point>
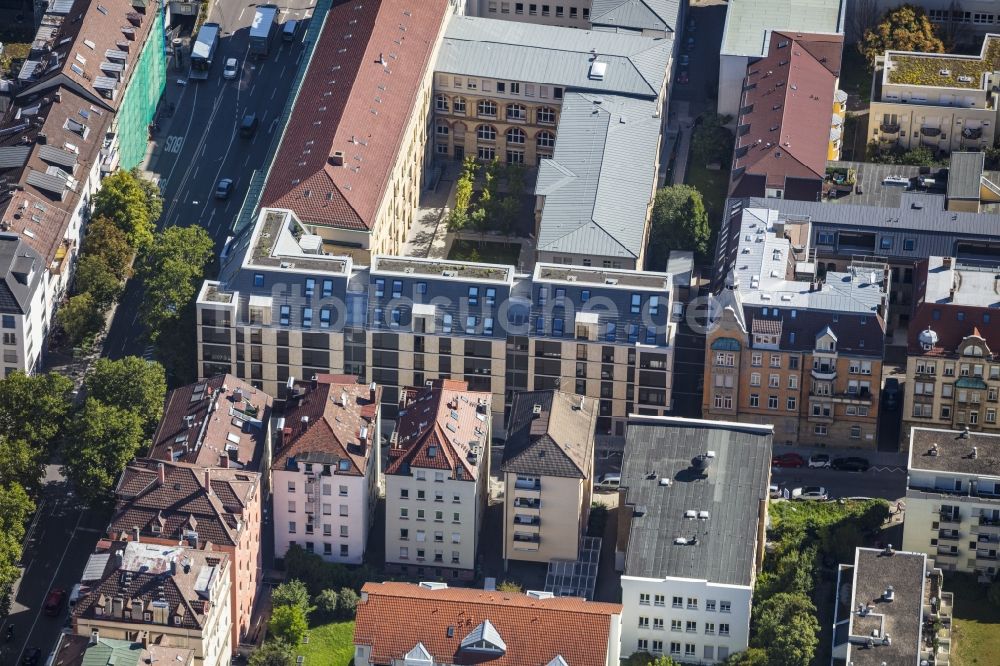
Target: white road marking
<point>273,93</point>
<point>173,144</point>
<point>242,12</point>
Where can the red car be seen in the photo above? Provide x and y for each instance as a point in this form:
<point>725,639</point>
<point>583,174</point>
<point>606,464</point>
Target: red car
<point>788,460</point>
<point>682,77</point>
<point>54,602</point>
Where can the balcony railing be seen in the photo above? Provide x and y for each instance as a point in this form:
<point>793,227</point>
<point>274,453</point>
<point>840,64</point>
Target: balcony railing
<point>522,503</point>
<point>950,517</point>
<point>889,128</point>
<point>528,485</point>
<point>827,372</point>
<point>527,520</point>
<point>930,131</point>
<point>972,133</point>
<point>948,535</point>
<point>527,538</point>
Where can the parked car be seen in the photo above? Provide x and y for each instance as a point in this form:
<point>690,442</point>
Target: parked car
<point>788,460</point>
<point>819,460</point>
<point>774,491</point>
<point>224,188</point>
<point>691,25</point>
<point>54,601</point>
<point>689,45</point>
<point>685,60</point>
<point>890,394</point>
<point>683,78</point>
<point>810,493</point>
<point>608,482</point>
<point>231,69</point>
<point>850,464</point>
<point>31,657</point>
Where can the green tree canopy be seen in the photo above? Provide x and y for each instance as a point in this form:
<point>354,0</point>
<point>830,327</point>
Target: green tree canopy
<point>95,277</point>
<point>647,659</point>
<point>288,624</point>
<point>347,603</point>
<point>15,507</point>
<point>81,318</point>
<point>325,604</point>
<point>107,241</point>
<point>291,593</point>
<point>103,439</point>
<point>131,383</point>
<point>35,408</point>
<point>273,653</point>
<point>133,205</point>
<point>785,625</point>
<point>20,463</point>
<point>751,657</point>
<point>711,140</point>
<point>172,269</point>
<point>905,28</point>
<point>679,222</point>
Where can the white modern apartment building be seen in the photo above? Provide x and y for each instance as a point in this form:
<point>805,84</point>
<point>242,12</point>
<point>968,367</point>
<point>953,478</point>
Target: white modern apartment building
<point>436,480</point>
<point>953,499</point>
<point>693,508</point>
<point>326,469</point>
<point>178,596</point>
<point>22,309</point>
<point>939,101</point>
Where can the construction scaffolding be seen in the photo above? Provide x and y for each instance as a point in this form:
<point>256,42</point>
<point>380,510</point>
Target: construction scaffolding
<point>138,105</point>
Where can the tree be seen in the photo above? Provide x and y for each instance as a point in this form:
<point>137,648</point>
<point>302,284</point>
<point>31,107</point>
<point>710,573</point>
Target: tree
<point>15,507</point>
<point>785,625</point>
<point>95,277</point>
<point>459,215</point>
<point>646,659</point>
<point>291,593</point>
<point>905,28</point>
<point>103,439</point>
<point>679,222</point>
<point>511,587</point>
<point>131,383</point>
<point>288,624</point>
<point>172,269</point>
<point>792,572</point>
<point>711,141</point>
<point>106,240</point>
<point>325,604</point>
<point>273,653</point>
<point>35,408</point>
<point>750,657</point>
<point>126,201</point>
<point>81,318</point>
<point>347,603</point>
<point>20,463</point>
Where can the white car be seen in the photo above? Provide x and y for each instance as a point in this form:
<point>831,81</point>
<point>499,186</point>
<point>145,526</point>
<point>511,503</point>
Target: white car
<point>231,69</point>
<point>608,483</point>
<point>819,460</point>
<point>810,493</point>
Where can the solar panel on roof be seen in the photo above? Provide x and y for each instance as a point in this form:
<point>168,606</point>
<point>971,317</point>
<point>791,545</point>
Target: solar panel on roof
<point>105,83</point>
<point>115,54</point>
<point>14,156</point>
<point>55,155</point>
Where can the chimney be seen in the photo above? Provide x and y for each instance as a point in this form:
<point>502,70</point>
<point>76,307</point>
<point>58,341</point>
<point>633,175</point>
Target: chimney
<point>223,460</point>
<point>135,534</point>
<point>208,481</point>
<point>161,473</point>
<point>170,453</point>
<point>363,437</point>
<point>975,452</point>
<point>95,636</point>
<point>305,423</point>
<point>371,389</point>
<point>343,398</point>
<point>315,381</point>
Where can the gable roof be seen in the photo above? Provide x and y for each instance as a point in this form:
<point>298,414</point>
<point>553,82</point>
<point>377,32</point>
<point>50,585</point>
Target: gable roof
<point>324,424</point>
<point>786,112</point>
<point>219,421</point>
<point>443,426</point>
<point>371,59</point>
<point>74,650</point>
<point>636,14</point>
<point>558,441</point>
<point>21,268</point>
<point>526,631</point>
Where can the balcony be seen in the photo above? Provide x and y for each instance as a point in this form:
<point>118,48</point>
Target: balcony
<point>530,521</point>
<point>945,557</point>
<point>527,538</point>
<point>824,372</point>
<point>986,555</point>
<point>972,133</point>
<point>525,503</point>
<point>889,128</point>
<point>528,485</point>
<point>949,517</point>
<point>930,131</point>
<point>948,535</point>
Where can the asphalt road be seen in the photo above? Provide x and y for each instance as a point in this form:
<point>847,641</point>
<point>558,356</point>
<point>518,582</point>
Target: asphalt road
<point>60,540</point>
<point>199,143</point>
<point>879,481</point>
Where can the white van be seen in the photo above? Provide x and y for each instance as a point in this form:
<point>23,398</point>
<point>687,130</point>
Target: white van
<point>608,482</point>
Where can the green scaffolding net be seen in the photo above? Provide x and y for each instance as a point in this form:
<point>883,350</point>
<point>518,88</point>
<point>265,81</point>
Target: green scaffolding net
<point>138,106</point>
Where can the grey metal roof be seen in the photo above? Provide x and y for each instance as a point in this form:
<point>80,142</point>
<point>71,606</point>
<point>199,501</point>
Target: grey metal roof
<point>510,50</point>
<point>14,157</point>
<point>600,180</point>
<point>636,14</point>
<point>749,23</point>
<point>45,181</point>
<point>20,267</point>
<point>731,492</point>
<point>965,175</point>
<point>55,155</point>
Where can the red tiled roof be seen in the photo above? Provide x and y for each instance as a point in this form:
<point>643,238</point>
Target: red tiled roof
<point>791,102</point>
<point>220,425</point>
<point>397,616</point>
<point>332,427</point>
<point>181,502</point>
<point>356,98</point>
<point>437,427</point>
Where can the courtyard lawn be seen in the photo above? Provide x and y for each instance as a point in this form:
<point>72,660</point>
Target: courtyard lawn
<point>976,622</point>
<point>489,252</point>
<point>713,186</point>
<point>329,645</point>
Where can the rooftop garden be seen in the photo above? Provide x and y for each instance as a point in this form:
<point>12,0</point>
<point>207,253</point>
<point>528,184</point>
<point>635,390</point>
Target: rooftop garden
<point>929,69</point>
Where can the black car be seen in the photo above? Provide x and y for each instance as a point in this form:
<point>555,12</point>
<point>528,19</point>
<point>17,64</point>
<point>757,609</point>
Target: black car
<point>851,464</point>
<point>31,657</point>
<point>248,126</point>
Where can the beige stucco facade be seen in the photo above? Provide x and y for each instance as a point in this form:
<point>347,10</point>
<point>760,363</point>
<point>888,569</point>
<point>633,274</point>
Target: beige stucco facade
<point>545,516</point>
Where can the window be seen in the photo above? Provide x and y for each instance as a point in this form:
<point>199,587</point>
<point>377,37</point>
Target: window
<point>642,645</point>
<point>657,647</point>
<point>644,599</point>
<point>291,506</point>
<point>516,135</point>
<point>775,361</point>
<point>545,140</point>
<point>675,648</point>
<point>307,317</point>
<point>725,606</point>
<point>689,649</point>
<point>675,625</point>
<point>343,509</point>
<point>441,103</point>
<point>677,602</point>
<point>709,628</point>
<point>486,133</point>
<point>658,600</point>
<point>285,315</point>
<point>754,379</point>
<point>258,281</point>
<point>643,622</point>
<point>516,112</point>
<point>790,403</point>
<point>458,104</point>
<point>723,629</point>
<point>486,109</point>
<point>772,402</point>
<point>471,84</point>
<point>692,603</point>
<point>756,358</point>
<point>291,527</point>
<point>446,323</point>
<point>691,627</point>
<point>546,116</point>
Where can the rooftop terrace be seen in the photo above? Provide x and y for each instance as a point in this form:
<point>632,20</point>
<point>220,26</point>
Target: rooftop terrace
<point>448,269</point>
<point>605,277</point>
<point>942,69</point>
<point>281,241</point>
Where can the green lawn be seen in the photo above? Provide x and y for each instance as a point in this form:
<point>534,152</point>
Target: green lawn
<point>976,627</point>
<point>329,645</point>
<point>489,252</point>
<point>713,185</point>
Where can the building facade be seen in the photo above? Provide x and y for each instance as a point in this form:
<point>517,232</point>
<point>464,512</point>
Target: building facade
<point>548,475</point>
<point>789,348</point>
<point>943,102</point>
<point>653,18</point>
<point>179,596</point>
<point>953,500</point>
<point>326,470</point>
<point>687,487</point>
<point>437,480</point>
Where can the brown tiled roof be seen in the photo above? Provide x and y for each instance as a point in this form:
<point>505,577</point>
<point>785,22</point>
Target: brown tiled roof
<point>558,441</point>
<point>149,572</point>
<point>437,428</point>
<point>397,616</point>
<point>320,427</point>
<point>951,322</point>
<point>787,126</point>
<point>181,502</point>
<point>72,649</point>
<point>766,326</point>
<point>230,418</point>
<point>356,98</point>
